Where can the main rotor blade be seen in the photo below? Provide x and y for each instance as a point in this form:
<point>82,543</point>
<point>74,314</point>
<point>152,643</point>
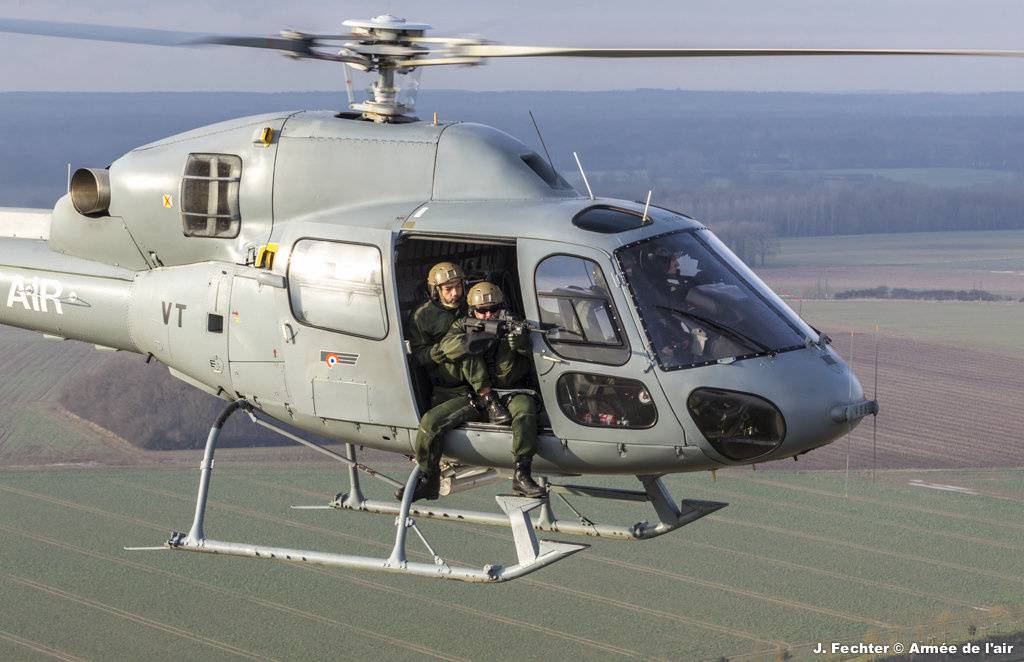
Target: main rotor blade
<point>300,44</point>
<point>500,50</point>
<point>103,32</point>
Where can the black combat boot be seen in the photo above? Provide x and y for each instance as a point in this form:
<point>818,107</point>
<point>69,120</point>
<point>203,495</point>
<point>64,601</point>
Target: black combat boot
<point>428,487</point>
<point>523,483</point>
<point>495,410</point>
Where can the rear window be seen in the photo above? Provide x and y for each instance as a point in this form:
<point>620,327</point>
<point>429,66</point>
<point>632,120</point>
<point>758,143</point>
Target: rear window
<point>338,287</point>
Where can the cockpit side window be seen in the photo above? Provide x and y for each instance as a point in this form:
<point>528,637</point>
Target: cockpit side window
<point>575,301</point>
<point>209,196</point>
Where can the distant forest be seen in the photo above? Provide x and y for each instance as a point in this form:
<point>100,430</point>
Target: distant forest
<point>142,403</point>
<point>787,164</point>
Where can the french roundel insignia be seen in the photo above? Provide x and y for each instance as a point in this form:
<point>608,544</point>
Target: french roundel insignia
<point>339,358</point>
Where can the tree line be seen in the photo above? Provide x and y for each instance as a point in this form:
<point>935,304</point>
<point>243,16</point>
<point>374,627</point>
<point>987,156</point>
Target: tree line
<point>867,205</point>
<point>142,403</point>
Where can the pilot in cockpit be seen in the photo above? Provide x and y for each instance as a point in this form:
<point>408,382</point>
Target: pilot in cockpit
<point>664,280</point>
<point>670,273</point>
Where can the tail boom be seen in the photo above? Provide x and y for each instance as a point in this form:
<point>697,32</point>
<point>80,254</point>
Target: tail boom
<point>63,296</point>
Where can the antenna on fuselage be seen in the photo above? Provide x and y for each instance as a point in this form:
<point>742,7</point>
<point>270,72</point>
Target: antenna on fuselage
<point>585,182</point>
<point>348,85</point>
<point>542,143</point>
<point>647,206</point>
<point>874,419</point>
<point>849,425</point>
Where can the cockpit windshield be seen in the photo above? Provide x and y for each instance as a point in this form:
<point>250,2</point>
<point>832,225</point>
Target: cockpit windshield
<point>699,303</point>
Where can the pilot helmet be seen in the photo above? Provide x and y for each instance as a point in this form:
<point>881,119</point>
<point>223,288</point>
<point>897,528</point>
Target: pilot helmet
<point>662,261</point>
<point>486,296</point>
<point>658,260</point>
<point>443,273</point>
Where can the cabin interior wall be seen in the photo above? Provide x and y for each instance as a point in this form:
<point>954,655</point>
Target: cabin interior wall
<point>493,262</point>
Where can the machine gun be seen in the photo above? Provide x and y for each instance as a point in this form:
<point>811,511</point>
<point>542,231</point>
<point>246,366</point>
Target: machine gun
<point>505,324</point>
<point>481,333</point>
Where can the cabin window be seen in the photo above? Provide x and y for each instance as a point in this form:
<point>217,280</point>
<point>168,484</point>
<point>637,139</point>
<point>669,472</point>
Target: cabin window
<point>608,220</point>
<point>576,303</point>
<point>209,195</point>
<point>699,304</point>
<point>338,287</point>
<point>601,401</point>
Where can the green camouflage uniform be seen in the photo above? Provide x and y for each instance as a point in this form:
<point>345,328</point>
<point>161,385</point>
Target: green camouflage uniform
<point>430,323</point>
<point>450,400</point>
<point>506,364</point>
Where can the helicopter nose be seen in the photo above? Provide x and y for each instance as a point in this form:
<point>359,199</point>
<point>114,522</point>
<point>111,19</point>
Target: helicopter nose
<point>826,403</point>
<point>771,407</point>
<point>839,406</point>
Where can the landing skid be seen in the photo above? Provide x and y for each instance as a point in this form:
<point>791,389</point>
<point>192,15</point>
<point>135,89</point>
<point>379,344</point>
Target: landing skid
<point>533,554</point>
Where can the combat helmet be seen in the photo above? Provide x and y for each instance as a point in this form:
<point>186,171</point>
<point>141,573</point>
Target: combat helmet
<point>485,295</point>
<point>441,274</point>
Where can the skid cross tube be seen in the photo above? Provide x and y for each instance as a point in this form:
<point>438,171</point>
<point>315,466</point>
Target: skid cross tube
<point>532,554</point>
<point>670,516</point>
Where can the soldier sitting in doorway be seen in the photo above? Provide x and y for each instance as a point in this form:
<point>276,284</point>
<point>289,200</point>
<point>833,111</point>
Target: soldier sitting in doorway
<point>452,402</point>
<point>504,361</point>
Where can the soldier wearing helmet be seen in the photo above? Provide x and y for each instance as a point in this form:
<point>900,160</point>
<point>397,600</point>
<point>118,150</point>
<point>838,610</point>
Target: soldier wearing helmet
<point>446,283</point>
<point>504,363</point>
<point>452,401</point>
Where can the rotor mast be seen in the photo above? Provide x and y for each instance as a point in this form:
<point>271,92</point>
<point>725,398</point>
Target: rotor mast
<point>388,41</point>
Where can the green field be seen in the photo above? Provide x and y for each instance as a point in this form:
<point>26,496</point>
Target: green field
<point>808,271</point>
<point>997,249</point>
<point>996,327</point>
<point>795,559</point>
<point>790,562</point>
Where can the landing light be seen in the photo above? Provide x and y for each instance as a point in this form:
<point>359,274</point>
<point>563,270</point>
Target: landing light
<point>740,426</point>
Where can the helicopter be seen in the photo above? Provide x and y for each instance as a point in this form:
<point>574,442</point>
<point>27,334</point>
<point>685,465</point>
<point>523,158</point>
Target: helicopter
<point>274,261</point>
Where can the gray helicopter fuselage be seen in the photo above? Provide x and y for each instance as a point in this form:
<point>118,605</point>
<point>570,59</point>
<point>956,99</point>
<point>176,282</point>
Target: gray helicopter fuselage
<point>352,213</point>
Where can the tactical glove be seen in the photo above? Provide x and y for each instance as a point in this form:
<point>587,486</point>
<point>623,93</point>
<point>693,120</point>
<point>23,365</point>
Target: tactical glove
<point>519,343</point>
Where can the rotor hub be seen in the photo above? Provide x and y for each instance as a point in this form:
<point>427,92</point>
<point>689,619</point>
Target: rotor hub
<point>387,27</point>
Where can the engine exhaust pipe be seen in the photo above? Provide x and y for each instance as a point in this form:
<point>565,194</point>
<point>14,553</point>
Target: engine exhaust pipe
<point>90,191</point>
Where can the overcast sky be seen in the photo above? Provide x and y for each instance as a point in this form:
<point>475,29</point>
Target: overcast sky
<point>41,63</point>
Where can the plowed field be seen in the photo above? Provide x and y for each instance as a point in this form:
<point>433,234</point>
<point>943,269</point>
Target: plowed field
<point>941,406</point>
